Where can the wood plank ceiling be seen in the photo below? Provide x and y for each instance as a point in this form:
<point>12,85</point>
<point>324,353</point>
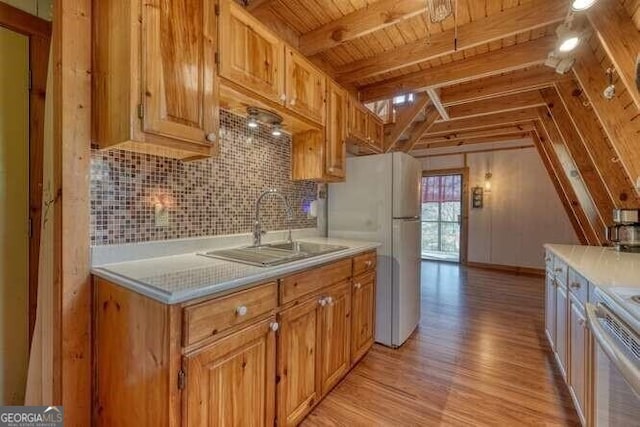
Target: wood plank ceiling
<point>479,77</point>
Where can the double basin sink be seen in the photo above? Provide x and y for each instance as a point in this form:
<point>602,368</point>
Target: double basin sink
<point>273,254</point>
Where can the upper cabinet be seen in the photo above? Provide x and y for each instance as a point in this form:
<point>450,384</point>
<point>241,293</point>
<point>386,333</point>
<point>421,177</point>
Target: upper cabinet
<point>155,85</point>
<point>305,87</point>
<point>249,54</point>
<point>336,131</point>
<point>358,120</point>
<point>375,132</point>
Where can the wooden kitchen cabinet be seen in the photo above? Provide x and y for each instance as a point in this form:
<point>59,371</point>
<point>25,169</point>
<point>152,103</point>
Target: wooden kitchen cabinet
<point>358,121</point>
<point>232,382</point>
<point>299,383</point>
<point>336,131</point>
<point>362,314</point>
<point>335,335</point>
<point>249,54</point>
<point>305,87</point>
<point>155,88</point>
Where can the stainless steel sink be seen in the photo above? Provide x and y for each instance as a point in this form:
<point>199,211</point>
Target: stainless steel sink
<point>273,254</point>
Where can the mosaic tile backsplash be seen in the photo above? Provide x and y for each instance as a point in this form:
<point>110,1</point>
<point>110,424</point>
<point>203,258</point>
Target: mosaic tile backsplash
<point>204,198</point>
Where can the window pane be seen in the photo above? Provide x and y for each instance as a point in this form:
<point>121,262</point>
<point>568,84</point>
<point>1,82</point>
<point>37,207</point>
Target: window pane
<point>450,237</point>
<point>450,211</point>
<point>429,236</point>
<point>430,211</point>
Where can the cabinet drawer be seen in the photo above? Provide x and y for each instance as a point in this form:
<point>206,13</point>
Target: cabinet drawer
<point>560,270</point>
<point>579,286</point>
<point>307,282</point>
<point>210,318</point>
<point>364,263</point>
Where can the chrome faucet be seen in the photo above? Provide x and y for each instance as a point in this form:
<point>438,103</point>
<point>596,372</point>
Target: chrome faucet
<point>257,227</point>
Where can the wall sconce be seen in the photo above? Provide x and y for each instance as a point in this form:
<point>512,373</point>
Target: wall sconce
<point>487,182</point>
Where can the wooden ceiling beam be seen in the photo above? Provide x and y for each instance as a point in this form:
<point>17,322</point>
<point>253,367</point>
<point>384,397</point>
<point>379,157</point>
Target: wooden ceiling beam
<point>563,189</point>
<point>487,64</point>
<point>598,145</point>
<point>434,95</point>
<point>483,122</point>
<point>557,147</point>
<point>405,118</point>
<point>460,136</point>
<point>593,181</point>
<point>502,137</point>
<point>420,129</point>
<point>622,132</point>
<point>509,83</point>
<point>619,38</point>
<point>485,30</point>
<point>497,105</point>
<point>374,17</point>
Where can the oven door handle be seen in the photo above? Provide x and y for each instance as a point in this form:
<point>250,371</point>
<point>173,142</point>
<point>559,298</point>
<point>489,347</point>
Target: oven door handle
<point>619,358</point>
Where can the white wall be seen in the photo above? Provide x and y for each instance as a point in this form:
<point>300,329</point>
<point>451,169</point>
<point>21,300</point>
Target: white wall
<point>520,214</point>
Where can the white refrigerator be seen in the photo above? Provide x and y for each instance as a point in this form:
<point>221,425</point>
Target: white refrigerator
<point>380,201</point>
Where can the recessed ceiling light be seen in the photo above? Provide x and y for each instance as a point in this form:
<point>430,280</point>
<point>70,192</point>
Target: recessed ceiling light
<point>580,5</point>
<point>568,44</point>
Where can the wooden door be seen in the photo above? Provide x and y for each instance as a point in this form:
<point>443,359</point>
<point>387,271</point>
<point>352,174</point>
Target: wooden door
<point>336,131</point>
<point>232,382</point>
<point>298,359</point>
<point>362,314</point>
<point>561,327</point>
<point>358,119</point>
<point>550,309</point>
<point>179,84</point>
<point>579,350</point>
<point>335,332</point>
<point>249,54</point>
<point>375,131</point>
<point>306,87</point>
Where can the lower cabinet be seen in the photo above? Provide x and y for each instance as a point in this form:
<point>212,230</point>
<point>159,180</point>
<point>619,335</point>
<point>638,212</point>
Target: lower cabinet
<point>550,309</point>
<point>579,355</point>
<point>232,382</point>
<point>335,335</point>
<point>363,314</point>
<point>561,328</point>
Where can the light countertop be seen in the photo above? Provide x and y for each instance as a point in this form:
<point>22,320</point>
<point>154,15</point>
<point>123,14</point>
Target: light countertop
<point>616,274</point>
<point>183,277</point>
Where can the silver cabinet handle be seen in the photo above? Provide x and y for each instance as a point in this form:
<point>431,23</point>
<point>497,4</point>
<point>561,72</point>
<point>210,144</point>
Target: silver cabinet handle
<point>357,285</point>
<point>330,300</point>
<point>368,263</point>
<point>274,326</point>
<point>322,302</point>
<point>212,137</point>
<point>242,310</point>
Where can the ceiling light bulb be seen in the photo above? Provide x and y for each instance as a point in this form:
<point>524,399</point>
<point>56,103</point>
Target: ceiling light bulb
<point>579,5</point>
<point>275,131</point>
<point>569,44</point>
<point>252,123</point>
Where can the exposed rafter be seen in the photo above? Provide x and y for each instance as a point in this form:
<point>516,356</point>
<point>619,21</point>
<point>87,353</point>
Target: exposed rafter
<point>474,140</point>
<point>492,63</point>
<point>484,133</point>
<point>374,17</point>
<point>619,38</point>
<point>621,130</point>
<point>420,129</point>
<point>509,83</point>
<point>494,27</point>
<point>434,95</point>
<point>498,104</point>
<point>488,121</point>
<point>405,118</point>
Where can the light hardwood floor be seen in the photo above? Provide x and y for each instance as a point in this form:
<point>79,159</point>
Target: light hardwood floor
<point>478,358</point>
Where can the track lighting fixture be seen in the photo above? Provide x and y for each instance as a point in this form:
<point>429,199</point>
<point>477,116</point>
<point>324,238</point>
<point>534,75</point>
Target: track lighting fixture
<point>568,39</point>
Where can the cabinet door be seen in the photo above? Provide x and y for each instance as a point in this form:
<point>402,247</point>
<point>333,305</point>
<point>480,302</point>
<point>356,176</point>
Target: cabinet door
<point>298,360</point>
<point>561,327</point>
<point>232,382</point>
<point>550,309</point>
<point>249,54</point>
<point>336,130</point>
<point>335,332</point>
<point>358,119</point>
<point>362,315</point>
<point>579,350</point>
<point>178,71</point>
<point>306,87</point>
<point>375,131</point>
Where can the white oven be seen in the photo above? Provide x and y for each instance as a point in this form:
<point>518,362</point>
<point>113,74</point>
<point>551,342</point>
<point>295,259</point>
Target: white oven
<point>617,368</point>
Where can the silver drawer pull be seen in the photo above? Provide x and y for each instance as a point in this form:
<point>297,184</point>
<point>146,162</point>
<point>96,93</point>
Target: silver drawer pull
<point>357,285</point>
<point>274,326</point>
<point>322,302</point>
<point>242,310</point>
<point>368,263</point>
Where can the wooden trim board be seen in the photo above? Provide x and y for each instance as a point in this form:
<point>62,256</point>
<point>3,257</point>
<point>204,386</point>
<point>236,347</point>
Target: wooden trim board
<point>523,271</point>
